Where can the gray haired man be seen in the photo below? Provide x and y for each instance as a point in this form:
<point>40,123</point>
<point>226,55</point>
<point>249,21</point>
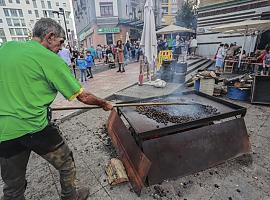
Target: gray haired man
<point>31,82</point>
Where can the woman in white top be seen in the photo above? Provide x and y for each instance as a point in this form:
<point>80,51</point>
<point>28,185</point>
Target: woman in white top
<point>220,56</point>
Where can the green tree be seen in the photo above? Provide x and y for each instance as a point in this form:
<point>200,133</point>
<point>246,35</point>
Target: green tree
<point>185,16</point>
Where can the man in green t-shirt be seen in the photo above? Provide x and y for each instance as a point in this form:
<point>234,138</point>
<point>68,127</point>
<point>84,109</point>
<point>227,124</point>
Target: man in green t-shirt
<point>31,74</point>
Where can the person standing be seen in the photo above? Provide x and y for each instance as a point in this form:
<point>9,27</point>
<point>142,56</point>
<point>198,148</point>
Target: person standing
<point>260,60</point>
<point>74,56</point>
<point>99,52</point>
<point>93,53</point>
<point>65,54</point>
<point>266,63</point>
<point>82,65</point>
<point>32,82</point>
<point>220,56</point>
<point>193,46</point>
<point>120,55</point>
<point>90,63</point>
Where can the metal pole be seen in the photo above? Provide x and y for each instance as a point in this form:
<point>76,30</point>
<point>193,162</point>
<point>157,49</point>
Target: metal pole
<point>63,13</point>
<point>241,54</point>
<point>129,105</point>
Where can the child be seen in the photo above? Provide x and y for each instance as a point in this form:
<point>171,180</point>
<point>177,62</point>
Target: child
<point>82,65</point>
<point>90,63</point>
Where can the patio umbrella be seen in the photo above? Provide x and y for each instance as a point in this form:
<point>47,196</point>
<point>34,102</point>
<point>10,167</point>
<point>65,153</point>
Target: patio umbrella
<point>149,38</point>
<point>173,29</point>
<point>245,28</point>
<point>127,36</point>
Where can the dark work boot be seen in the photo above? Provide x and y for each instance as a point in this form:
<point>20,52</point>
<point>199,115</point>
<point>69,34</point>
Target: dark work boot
<point>83,193</point>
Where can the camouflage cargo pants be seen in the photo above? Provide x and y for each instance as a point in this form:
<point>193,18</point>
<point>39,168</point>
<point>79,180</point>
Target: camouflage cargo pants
<point>49,144</point>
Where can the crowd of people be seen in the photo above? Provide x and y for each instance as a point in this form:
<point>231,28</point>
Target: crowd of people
<point>119,55</point>
<point>233,52</point>
<point>178,45</point>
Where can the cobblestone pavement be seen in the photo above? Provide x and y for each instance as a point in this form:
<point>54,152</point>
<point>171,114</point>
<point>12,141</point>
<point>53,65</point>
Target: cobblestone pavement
<point>237,179</point>
<point>102,85</point>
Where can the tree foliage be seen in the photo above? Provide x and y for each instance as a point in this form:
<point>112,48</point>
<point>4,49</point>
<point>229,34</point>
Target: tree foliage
<point>185,16</point>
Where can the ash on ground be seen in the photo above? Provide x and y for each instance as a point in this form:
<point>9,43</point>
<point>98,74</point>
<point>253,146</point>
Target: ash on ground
<point>106,140</point>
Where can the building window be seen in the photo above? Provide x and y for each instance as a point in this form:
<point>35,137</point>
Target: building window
<point>34,3</point>
<point>13,13</point>
<point>18,1</point>
<point>10,1</point>
<point>106,8</point>
<point>16,22</point>
<point>51,15</point>
<point>165,1</point>
<point>23,22</point>
<point>165,10</point>
<point>18,31</point>
<point>109,38</point>
<point>29,12</point>
<point>6,11</point>
<point>32,21</point>
<point>2,32</point>
<point>45,14</point>
<point>1,21</point>
<point>12,31</point>
<point>42,4</point>
<point>9,22</point>
<point>27,2</point>
<point>2,3</point>
<point>174,10</point>
<point>36,13</point>
<point>2,36</point>
<point>68,14</point>
<point>20,13</point>
<point>64,4</point>
<point>57,3</point>
<point>25,32</point>
<point>49,5</point>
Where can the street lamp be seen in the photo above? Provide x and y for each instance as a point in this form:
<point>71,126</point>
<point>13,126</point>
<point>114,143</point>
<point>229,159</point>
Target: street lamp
<point>140,14</point>
<point>62,12</point>
<point>131,15</point>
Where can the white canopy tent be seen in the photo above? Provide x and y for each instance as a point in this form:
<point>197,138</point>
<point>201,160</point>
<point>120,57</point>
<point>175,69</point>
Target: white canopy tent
<point>127,36</point>
<point>245,28</point>
<point>149,38</point>
<point>173,29</point>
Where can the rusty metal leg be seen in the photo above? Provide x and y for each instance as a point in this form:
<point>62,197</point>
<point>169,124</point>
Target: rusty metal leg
<point>134,160</point>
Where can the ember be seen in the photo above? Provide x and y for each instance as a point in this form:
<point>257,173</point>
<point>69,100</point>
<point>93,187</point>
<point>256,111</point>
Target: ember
<point>163,114</point>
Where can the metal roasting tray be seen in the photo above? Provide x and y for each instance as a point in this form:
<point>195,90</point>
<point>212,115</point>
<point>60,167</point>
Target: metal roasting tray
<point>147,128</point>
<point>152,154</point>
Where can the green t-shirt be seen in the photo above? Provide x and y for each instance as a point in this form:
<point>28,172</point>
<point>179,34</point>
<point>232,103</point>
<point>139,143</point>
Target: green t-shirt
<point>30,77</point>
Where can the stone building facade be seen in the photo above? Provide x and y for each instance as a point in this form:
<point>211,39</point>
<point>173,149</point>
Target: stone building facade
<point>17,17</point>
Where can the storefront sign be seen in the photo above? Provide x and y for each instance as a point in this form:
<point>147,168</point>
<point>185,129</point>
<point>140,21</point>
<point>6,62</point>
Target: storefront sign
<point>109,30</point>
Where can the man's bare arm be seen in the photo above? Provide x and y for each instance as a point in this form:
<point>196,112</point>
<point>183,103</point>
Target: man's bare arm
<point>90,99</point>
